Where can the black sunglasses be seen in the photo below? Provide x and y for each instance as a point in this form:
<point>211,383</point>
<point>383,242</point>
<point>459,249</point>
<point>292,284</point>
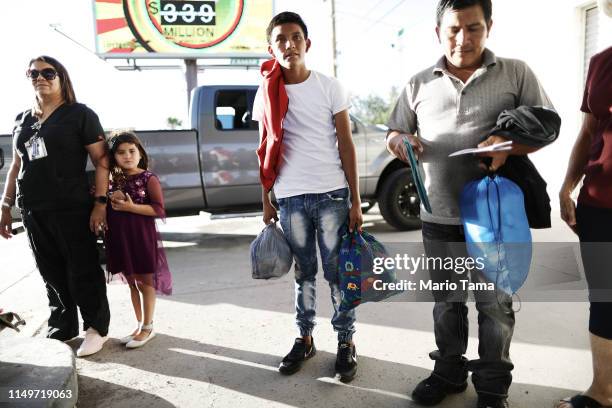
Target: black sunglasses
<point>48,73</point>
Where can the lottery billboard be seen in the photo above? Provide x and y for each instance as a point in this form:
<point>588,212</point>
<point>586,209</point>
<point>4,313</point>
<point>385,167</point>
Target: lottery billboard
<point>182,28</point>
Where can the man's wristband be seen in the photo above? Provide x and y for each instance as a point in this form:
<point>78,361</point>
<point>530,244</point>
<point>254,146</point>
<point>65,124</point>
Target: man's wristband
<point>6,205</point>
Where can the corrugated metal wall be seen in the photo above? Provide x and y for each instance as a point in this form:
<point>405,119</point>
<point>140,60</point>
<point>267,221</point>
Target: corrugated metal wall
<point>591,37</point>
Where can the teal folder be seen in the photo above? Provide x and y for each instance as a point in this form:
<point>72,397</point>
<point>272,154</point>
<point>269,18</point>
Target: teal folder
<point>416,176</point>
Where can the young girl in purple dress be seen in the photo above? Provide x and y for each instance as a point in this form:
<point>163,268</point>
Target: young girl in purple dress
<point>133,245</point>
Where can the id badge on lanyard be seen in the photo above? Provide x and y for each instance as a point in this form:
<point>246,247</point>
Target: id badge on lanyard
<point>35,146</point>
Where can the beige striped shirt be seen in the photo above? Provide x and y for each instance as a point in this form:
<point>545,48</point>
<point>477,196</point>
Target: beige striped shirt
<point>448,115</point>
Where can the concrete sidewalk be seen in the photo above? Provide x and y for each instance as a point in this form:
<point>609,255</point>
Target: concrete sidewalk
<point>36,373</point>
<point>222,334</point>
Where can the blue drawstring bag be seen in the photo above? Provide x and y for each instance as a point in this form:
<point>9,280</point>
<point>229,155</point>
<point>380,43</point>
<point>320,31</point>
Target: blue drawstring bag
<point>497,231</point>
<point>356,270</point>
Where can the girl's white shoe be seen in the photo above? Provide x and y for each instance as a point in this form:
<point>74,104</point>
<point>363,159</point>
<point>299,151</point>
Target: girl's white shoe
<point>139,343</point>
<point>130,337</point>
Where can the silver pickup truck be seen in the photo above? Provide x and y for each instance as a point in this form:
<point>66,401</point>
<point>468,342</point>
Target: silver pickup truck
<point>213,167</point>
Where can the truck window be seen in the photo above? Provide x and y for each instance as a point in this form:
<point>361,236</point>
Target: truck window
<point>232,110</point>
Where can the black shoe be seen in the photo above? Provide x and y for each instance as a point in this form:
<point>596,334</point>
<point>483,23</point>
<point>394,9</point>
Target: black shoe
<point>298,354</point>
<point>490,401</point>
<point>346,361</point>
<point>64,336</point>
<point>434,389</point>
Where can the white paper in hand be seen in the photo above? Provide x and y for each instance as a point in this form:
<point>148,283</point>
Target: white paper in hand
<point>498,147</point>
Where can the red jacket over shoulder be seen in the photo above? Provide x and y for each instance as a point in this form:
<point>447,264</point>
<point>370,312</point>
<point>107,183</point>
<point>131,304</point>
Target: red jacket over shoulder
<point>276,104</point>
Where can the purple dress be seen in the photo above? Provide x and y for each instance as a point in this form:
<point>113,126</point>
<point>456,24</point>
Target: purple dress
<point>134,248</point>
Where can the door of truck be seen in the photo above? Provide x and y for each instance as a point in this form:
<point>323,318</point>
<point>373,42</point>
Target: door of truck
<point>229,139</point>
<point>6,157</point>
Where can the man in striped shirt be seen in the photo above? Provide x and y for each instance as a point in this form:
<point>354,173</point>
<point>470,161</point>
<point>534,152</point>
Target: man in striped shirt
<point>450,106</point>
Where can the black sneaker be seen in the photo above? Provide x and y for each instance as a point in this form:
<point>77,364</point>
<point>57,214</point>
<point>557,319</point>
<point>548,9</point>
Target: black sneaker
<point>298,354</point>
<point>433,389</point>
<point>490,401</point>
<point>346,361</point>
<point>62,336</point>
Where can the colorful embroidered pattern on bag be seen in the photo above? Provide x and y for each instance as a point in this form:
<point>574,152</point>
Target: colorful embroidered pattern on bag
<point>356,276</point>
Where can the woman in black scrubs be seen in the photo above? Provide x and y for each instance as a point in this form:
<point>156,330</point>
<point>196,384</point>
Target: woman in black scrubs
<point>47,180</point>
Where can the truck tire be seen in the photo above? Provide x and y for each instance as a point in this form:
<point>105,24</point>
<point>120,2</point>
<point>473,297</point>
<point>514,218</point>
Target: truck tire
<point>399,202</point>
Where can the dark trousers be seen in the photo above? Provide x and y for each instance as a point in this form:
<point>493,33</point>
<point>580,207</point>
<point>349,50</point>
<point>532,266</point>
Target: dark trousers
<point>67,258</point>
<point>595,232</point>
<point>491,372</point>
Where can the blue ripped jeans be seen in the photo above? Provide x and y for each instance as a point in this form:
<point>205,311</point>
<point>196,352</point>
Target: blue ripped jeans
<point>309,219</point>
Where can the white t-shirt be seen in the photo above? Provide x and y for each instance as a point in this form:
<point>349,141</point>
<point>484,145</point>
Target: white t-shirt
<point>309,157</point>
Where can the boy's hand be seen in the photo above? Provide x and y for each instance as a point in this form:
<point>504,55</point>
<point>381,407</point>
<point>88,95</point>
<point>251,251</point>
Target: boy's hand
<point>269,213</point>
<point>355,217</point>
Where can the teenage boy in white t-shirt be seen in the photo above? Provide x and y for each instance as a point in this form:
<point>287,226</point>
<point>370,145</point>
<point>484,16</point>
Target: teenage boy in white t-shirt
<point>316,164</point>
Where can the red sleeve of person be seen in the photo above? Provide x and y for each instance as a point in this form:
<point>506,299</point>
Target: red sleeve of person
<point>276,104</point>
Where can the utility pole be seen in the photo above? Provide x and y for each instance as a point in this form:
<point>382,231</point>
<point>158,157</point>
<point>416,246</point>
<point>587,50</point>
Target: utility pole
<point>334,51</point>
<point>400,49</point>
<point>191,77</point>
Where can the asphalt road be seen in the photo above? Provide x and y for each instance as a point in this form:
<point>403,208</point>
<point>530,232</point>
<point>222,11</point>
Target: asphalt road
<point>221,335</point>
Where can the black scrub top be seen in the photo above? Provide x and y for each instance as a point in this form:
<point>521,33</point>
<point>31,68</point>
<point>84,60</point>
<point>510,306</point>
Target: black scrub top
<point>57,181</point>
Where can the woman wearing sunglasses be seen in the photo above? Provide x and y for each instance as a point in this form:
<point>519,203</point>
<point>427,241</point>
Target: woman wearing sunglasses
<point>47,180</point>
